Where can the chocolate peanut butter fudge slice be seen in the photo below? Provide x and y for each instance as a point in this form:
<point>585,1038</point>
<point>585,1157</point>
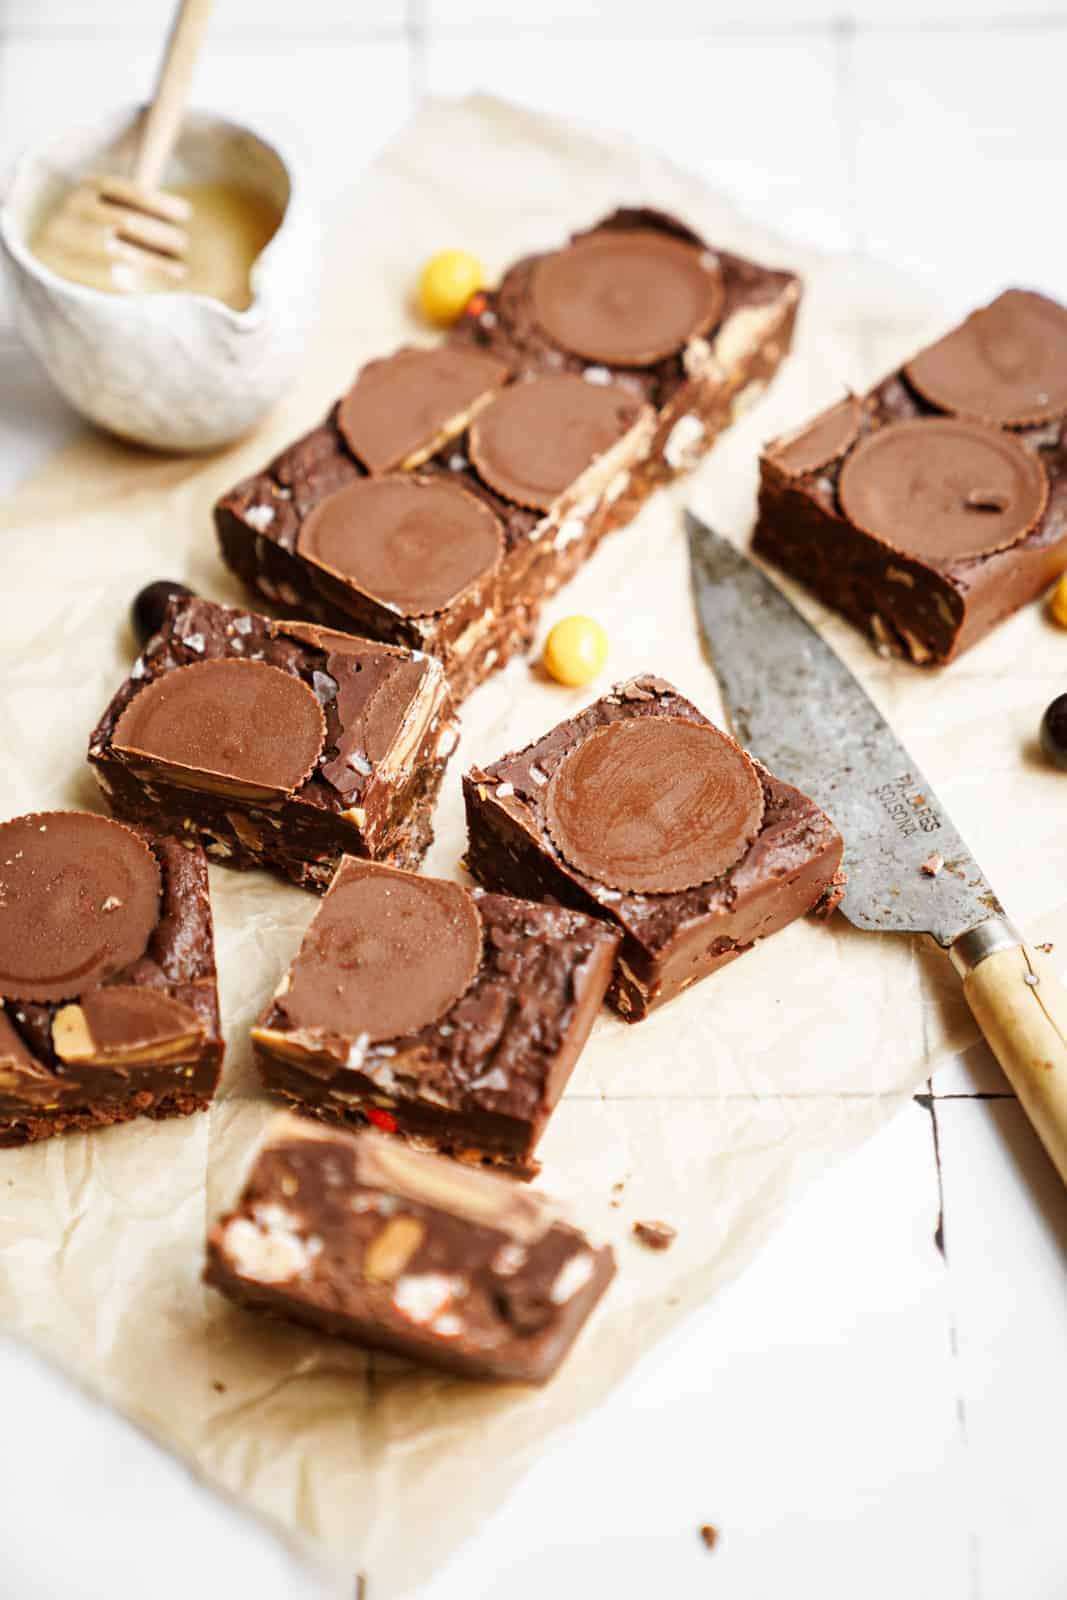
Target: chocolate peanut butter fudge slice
<point>449,547</point>
<point>449,1016</point>
<point>642,301</point>
<point>639,811</point>
<point>277,744</point>
<point>108,1000</point>
<point>360,1237</point>
<point>933,507</point>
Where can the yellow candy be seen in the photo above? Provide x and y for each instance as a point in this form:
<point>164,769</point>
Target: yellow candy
<point>575,651</point>
<point>448,280</point>
<point>1058,602</point>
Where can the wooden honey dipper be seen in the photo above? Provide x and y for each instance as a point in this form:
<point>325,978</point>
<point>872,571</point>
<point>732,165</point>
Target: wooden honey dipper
<point>127,234</point>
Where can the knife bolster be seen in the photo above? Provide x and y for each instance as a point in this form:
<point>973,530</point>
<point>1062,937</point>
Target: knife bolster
<point>977,944</point>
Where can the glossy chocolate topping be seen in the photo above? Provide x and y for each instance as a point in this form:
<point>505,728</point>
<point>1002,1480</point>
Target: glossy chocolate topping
<point>654,805</point>
<point>413,544</point>
<point>1007,363</point>
<point>943,489</point>
<point>536,438</point>
<point>397,407</point>
<point>79,899</point>
<point>821,442</point>
<point>627,298</point>
<point>243,721</point>
<point>388,953</point>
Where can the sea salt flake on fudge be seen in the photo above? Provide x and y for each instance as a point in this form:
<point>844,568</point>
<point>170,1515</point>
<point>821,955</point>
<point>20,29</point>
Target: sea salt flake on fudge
<point>450,1016</point>
<point>639,811</point>
<point>360,1237</point>
<point>277,744</point>
<point>108,1000</point>
<point>932,508</point>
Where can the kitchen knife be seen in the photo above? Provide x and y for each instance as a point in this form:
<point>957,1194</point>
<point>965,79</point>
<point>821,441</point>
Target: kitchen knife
<point>798,709</point>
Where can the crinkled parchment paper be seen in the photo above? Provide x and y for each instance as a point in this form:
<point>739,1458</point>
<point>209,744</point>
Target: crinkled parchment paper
<point>713,1113</point>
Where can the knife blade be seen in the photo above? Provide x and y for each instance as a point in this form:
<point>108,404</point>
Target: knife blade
<point>795,706</point>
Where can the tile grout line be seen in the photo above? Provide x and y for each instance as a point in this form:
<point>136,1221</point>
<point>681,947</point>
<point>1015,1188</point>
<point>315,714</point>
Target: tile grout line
<point>415,38</point>
<point>844,42</point>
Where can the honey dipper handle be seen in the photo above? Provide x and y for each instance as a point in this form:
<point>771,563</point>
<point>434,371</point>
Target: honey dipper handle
<point>164,115</point>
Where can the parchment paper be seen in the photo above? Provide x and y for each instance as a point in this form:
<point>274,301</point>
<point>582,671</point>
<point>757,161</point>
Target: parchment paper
<point>713,1113</point>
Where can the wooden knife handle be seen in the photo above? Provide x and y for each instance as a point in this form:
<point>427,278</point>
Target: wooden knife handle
<point>1021,1009</point>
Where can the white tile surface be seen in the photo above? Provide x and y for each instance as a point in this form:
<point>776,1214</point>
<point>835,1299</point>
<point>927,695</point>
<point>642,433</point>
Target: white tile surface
<point>707,93</point>
<point>859,1415</point>
<point>959,152</point>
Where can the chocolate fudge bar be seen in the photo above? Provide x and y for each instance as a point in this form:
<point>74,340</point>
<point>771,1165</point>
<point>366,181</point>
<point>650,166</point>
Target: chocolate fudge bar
<point>932,508</point>
<point>452,490</point>
<point>277,744</point>
<point>362,1238</point>
<point>452,1017</point>
<point>108,1001</point>
<point>638,810</point>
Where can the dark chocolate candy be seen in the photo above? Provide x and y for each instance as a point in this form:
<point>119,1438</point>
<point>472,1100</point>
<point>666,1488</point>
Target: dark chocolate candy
<point>478,1058</point>
<point>358,1237</point>
<point>366,747</point>
<point>116,1013</point>
<point>536,438</point>
<point>149,605</point>
<point>943,489</point>
<point>627,298</point>
<point>79,897</point>
<point>412,543</point>
<point>401,408</point>
<point>654,805</point>
<point>1006,364</point>
<point>669,940</point>
<point>388,953</point>
<point>254,727</point>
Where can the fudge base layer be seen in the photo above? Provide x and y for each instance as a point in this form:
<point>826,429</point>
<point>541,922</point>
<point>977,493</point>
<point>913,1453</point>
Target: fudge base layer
<point>33,1126</point>
<point>480,1083</point>
<point>362,1239</point>
<point>669,941</point>
<point>925,614</point>
<point>41,1095</point>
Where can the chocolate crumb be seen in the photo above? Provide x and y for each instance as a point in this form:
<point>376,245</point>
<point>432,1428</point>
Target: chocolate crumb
<point>656,1235</point>
<point>932,865</point>
<point>219,1388</point>
<point>709,1535</point>
<point>1046,948</point>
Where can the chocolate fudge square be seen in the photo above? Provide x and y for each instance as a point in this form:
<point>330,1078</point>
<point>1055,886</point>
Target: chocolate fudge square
<point>453,489</point>
<point>639,811</point>
<point>108,1002</point>
<point>932,508</point>
<point>277,744</point>
<point>449,1016</point>
<point>357,1236</point>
